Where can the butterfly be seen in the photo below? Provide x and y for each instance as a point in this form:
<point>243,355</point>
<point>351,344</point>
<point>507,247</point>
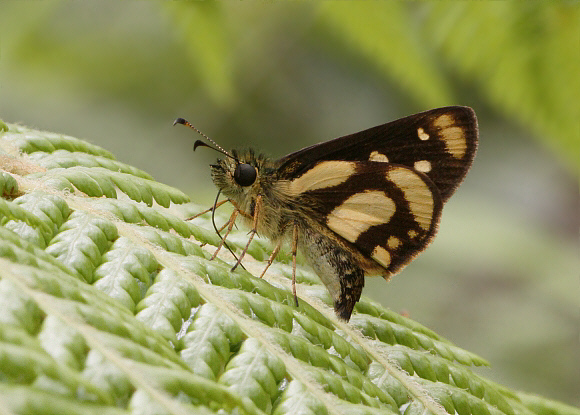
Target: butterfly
<point>359,205</point>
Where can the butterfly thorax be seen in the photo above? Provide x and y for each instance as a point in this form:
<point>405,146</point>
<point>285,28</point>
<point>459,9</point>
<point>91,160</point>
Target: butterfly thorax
<point>275,212</point>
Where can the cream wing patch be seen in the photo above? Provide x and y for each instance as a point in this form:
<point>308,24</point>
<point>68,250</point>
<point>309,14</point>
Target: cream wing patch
<point>323,175</point>
<point>416,193</point>
<point>424,166</point>
<point>382,256</point>
<point>359,212</point>
<point>376,156</point>
<point>452,135</point>
<point>422,134</point>
<point>393,242</point>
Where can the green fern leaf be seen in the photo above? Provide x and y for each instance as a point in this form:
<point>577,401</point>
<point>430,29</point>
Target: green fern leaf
<point>111,306</point>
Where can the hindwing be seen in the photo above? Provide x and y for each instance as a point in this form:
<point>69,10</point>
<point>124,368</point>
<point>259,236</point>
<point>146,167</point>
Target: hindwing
<point>389,212</point>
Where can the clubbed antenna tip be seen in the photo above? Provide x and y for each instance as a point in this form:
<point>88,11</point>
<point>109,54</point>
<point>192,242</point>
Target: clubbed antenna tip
<point>198,142</point>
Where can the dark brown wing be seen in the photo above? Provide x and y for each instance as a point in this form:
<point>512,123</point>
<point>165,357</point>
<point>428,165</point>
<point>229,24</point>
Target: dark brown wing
<point>440,143</point>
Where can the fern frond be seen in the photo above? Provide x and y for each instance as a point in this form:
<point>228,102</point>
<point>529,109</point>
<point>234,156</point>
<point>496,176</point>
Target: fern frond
<point>111,306</point>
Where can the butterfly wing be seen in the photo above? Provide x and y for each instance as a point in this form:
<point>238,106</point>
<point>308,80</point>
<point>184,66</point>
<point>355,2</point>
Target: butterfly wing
<point>440,143</point>
<point>389,212</point>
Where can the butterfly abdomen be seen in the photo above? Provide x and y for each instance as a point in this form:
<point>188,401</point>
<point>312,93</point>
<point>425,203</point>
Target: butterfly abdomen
<point>336,266</point>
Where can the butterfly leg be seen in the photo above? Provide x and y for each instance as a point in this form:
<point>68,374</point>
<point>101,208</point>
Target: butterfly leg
<point>257,208</point>
<point>224,225</point>
<point>207,210</point>
<point>230,224</point>
<point>219,230</point>
<point>294,249</point>
<point>271,258</point>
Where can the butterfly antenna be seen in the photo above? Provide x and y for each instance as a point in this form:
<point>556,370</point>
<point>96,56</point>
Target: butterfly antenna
<point>216,229</point>
<point>217,148</point>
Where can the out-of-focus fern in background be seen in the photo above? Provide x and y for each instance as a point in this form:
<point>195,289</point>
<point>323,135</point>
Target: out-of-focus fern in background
<point>501,279</point>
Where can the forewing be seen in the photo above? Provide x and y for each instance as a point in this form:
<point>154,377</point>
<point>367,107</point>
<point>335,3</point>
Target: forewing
<point>440,143</point>
<point>388,212</point>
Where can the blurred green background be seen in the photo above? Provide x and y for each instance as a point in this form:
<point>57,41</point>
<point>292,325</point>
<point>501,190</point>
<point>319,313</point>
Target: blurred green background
<point>502,277</point>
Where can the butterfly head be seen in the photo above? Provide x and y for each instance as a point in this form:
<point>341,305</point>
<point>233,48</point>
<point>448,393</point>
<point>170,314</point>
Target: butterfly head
<point>242,173</point>
<point>236,174</point>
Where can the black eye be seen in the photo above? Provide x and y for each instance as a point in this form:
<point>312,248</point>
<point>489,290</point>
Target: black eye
<point>245,175</point>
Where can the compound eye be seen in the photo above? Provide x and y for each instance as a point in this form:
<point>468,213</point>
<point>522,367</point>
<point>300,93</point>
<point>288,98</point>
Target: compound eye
<point>245,175</point>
